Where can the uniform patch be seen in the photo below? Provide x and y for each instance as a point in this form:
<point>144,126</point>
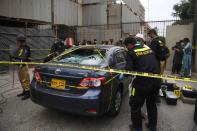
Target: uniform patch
<point>143,53</point>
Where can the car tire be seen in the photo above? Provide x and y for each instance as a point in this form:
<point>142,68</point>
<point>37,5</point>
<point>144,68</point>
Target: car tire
<point>116,104</point>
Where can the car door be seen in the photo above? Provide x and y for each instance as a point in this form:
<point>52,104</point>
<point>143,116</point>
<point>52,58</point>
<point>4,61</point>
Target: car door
<point>119,59</point>
<point>120,64</point>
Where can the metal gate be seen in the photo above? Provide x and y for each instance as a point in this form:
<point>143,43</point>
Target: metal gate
<point>114,31</point>
<point>39,40</point>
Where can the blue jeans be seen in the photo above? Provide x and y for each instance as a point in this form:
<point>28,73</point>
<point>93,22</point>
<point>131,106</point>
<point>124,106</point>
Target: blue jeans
<point>187,64</point>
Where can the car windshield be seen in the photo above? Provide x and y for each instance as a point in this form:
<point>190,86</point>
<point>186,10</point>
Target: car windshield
<point>86,56</point>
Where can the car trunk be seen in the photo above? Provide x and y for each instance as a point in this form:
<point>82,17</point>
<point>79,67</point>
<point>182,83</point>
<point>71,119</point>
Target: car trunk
<point>67,78</point>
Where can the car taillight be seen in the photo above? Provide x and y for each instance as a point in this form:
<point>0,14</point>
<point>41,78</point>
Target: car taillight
<point>92,82</point>
<point>37,75</point>
<point>92,111</point>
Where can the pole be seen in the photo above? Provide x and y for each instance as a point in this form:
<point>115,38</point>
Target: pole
<point>77,12</point>
<point>52,13</point>
<point>26,25</point>
<point>164,29</point>
<point>148,10</point>
<point>76,27</point>
<point>56,33</point>
<point>25,34</point>
<point>121,28</point>
<point>108,6</point>
<point>13,74</point>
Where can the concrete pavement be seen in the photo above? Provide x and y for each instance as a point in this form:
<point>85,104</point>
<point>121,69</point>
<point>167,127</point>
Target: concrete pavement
<point>26,116</point>
<point>20,115</point>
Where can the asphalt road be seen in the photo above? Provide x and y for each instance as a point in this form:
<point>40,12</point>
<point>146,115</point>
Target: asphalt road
<point>20,115</point>
<point>26,116</point>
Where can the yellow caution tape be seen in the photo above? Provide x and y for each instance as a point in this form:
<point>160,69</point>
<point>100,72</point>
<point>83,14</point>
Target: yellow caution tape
<point>144,74</point>
<point>111,79</point>
<point>103,57</point>
<point>45,82</point>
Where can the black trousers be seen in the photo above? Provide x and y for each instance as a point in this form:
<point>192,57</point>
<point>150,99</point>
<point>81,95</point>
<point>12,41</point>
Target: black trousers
<point>144,89</point>
<point>176,67</point>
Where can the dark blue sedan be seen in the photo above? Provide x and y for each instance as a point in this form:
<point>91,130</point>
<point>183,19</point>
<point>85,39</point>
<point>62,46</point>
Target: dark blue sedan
<point>82,91</point>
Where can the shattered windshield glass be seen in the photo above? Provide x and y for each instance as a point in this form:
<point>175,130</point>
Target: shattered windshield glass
<point>89,57</point>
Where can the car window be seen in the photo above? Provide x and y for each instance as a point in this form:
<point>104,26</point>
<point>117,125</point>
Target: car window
<point>119,57</point>
<point>87,56</point>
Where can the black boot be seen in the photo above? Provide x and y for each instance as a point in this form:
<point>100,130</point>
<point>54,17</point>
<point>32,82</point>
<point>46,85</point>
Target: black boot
<point>21,94</point>
<point>150,128</point>
<point>26,95</point>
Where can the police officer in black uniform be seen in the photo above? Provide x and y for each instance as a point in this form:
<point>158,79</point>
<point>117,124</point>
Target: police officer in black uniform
<point>178,57</point>
<point>141,58</point>
<point>158,46</point>
<point>56,49</point>
<point>161,52</point>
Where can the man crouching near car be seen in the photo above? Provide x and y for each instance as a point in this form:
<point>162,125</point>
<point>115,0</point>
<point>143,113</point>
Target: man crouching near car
<point>140,58</point>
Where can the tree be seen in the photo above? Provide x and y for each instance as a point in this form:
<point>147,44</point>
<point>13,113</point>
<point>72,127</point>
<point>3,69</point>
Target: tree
<point>184,9</point>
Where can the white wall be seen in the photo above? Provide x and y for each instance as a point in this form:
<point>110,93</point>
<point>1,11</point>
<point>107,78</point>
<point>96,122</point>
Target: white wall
<point>67,12</point>
<point>137,7</point>
<point>97,14</point>
<point>94,14</point>
<point>127,15</point>
<point>174,34</point>
<point>27,9</point>
<point>114,14</point>
<point>80,14</point>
